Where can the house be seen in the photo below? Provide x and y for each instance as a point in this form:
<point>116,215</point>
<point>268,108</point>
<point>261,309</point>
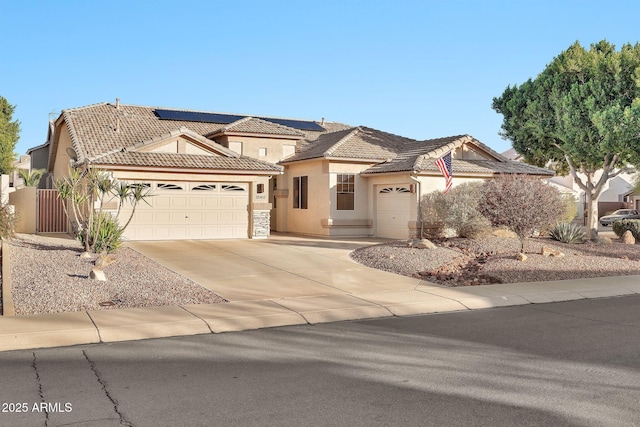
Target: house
<point>218,175</point>
<point>618,192</point>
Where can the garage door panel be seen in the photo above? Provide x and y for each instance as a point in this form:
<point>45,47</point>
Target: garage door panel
<point>195,202</point>
<point>178,202</point>
<point>190,214</point>
<point>393,212</point>
<point>160,202</point>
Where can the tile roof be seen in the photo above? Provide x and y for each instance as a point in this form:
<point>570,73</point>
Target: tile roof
<point>102,129</point>
<point>186,161</point>
<point>489,166</point>
<point>354,143</point>
<point>255,125</point>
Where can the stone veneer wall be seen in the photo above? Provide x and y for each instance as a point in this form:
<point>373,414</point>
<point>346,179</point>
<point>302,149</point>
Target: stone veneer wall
<point>261,224</point>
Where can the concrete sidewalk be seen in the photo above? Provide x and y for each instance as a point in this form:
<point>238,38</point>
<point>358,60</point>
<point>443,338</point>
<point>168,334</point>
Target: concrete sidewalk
<point>309,289</point>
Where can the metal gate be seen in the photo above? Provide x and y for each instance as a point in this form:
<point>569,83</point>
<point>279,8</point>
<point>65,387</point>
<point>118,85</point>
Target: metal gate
<point>51,217</point>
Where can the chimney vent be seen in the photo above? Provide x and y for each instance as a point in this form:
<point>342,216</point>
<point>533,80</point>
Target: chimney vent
<point>322,122</point>
<point>117,103</point>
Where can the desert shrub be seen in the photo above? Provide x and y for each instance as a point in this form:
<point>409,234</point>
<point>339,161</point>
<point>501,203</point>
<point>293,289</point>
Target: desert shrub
<point>570,207</point>
<point>432,215</point>
<point>567,232</point>
<point>107,236</point>
<point>523,204</point>
<point>458,210</point>
<point>7,222</point>
<point>633,225</point>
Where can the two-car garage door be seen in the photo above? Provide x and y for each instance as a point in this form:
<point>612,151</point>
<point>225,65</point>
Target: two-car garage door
<point>187,210</point>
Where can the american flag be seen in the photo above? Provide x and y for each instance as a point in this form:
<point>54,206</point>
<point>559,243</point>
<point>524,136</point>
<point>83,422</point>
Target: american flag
<point>444,164</point>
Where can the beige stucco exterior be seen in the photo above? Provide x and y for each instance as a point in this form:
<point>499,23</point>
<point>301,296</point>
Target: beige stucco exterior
<point>275,148</point>
<point>24,202</point>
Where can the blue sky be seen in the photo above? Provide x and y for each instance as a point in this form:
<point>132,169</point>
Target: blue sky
<point>421,69</point>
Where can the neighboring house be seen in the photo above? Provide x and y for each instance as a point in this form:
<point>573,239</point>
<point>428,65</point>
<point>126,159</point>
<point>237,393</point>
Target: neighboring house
<point>618,192</point>
<point>219,175</point>
<point>23,162</point>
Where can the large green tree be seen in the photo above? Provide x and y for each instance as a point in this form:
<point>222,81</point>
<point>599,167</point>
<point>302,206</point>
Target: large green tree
<point>581,115</point>
<point>9,135</point>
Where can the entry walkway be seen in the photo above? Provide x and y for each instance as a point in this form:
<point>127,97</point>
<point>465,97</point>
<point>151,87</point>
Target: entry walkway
<point>283,280</point>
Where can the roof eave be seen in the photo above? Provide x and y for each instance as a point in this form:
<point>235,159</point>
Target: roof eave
<point>200,171</point>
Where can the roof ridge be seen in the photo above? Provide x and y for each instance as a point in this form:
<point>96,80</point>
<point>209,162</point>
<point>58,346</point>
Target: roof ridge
<point>67,118</point>
<point>236,123</point>
<point>182,130</point>
<point>354,131</point>
<point>230,126</point>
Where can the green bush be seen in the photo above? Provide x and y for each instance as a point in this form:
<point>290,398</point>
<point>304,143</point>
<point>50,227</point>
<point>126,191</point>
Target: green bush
<point>633,225</point>
<point>567,233</point>
<point>105,235</point>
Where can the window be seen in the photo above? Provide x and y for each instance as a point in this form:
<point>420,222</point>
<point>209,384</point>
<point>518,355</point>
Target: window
<point>300,192</point>
<point>205,187</point>
<point>345,189</point>
<point>169,187</point>
<point>262,152</point>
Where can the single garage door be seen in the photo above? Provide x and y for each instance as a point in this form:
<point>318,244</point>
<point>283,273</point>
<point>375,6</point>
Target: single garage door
<point>187,210</point>
<point>393,204</point>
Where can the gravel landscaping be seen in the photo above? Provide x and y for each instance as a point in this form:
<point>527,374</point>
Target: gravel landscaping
<point>491,259</point>
<point>49,276</point>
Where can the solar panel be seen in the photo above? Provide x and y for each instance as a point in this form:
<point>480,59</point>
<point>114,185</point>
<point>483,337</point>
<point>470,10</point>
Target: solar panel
<point>296,124</point>
<point>195,116</point>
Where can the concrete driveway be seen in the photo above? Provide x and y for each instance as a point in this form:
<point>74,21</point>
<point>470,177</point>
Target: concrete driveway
<point>283,266</point>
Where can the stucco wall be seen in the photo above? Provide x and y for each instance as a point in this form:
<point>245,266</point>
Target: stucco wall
<point>251,145</point>
<point>24,201</point>
<point>61,165</point>
<point>306,221</point>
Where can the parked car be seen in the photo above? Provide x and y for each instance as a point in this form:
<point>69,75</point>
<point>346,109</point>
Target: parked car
<point>618,215</point>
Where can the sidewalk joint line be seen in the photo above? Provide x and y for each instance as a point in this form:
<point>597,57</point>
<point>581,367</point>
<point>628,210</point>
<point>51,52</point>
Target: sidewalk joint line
<point>95,326</point>
<point>198,317</point>
<point>287,308</point>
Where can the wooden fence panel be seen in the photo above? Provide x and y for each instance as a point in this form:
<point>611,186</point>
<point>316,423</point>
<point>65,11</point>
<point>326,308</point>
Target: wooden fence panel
<point>51,215</point>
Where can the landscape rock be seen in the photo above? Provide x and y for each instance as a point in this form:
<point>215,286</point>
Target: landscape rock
<point>85,255</point>
<point>521,257</point>
<point>421,244</point>
<point>502,232</point>
<point>97,274</point>
<point>104,260</point>
<point>547,251</point>
<point>603,240</point>
<point>627,238</point>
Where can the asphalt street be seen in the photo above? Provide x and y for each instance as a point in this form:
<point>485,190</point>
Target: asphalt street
<point>562,364</point>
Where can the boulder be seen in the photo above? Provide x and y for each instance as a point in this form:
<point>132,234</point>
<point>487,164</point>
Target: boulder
<point>547,251</point>
<point>85,255</point>
<point>521,257</point>
<point>104,260</point>
<point>97,274</point>
<point>421,244</point>
<point>627,238</point>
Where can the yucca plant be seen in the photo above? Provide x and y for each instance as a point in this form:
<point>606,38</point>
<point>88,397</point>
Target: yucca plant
<point>567,232</point>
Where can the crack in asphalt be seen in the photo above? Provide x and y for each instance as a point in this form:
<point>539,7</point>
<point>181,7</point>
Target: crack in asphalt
<point>34,365</point>
<point>113,401</point>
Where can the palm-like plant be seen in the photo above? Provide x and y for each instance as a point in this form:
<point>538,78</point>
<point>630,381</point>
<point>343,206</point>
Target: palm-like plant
<point>82,188</point>
<point>31,178</point>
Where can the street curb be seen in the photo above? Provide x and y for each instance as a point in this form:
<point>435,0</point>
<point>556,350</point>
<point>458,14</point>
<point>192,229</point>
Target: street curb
<point>8,309</point>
